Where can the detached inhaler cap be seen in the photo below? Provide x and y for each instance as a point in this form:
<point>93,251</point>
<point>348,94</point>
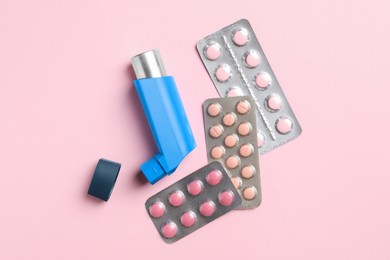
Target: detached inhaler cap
<point>104,178</point>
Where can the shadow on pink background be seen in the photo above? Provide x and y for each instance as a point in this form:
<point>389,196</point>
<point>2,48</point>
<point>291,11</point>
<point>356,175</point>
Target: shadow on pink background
<point>67,99</point>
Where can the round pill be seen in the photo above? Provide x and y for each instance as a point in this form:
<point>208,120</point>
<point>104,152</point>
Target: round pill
<point>252,59</point>
<point>216,131</point>
<point>237,182</point>
<point>176,198</point>
<point>249,193</point>
<point>157,209</point>
<point>263,80</point>
<point>169,230</point>
<point>241,36</point>
<point>248,171</point>
<point>284,125</point>
<point>246,150</point>
<point>223,73</point>
<point>234,92</point>
<point>214,109</point>
<point>214,177</point>
<point>244,128</point>
<point>231,140</point>
<point>212,51</point>
<point>243,107</point>
<point>195,187</point>
<point>260,139</point>
<point>218,152</point>
<point>233,162</point>
<point>226,198</point>
<point>229,119</point>
<point>188,219</point>
<point>207,208</point>
<point>273,102</point>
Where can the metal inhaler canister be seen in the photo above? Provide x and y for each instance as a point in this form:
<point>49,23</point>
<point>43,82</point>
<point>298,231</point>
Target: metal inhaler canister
<point>165,114</point>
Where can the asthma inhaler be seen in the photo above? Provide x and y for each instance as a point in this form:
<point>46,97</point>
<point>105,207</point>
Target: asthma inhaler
<point>165,114</point>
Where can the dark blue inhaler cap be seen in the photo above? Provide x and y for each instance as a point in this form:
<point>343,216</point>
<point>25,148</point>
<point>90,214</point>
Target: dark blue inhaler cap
<point>104,179</point>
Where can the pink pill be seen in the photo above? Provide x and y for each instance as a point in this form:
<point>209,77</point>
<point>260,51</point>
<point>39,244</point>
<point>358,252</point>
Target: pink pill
<point>260,139</point>
<point>212,51</point>
<point>218,152</point>
<point>248,171</point>
<point>252,59</point>
<point>237,182</point>
<point>157,209</point>
<point>284,125</point>
<point>214,177</point>
<point>249,193</point>
<point>231,140</point>
<point>214,109</point>
<point>233,162</point>
<point>176,198</point>
<point>169,230</point>
<point>229,119</point>
<point>188,219</point>
<point>207,208</point>
<point>234,92</point>
<point>226,198</point>
<point>241,36</point>
<point>244,128</point>
<point>195,187</point>
<point>223,73</point>
<point>274,102</point>
<point>243,107</point>
<point>263,80</point>
<point>246,150</point>
<point>216,131</point>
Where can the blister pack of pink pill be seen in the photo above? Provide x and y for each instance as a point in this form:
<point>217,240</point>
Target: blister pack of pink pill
<point>237,66</point>
<point>192,202</point>
<point>230,130</point>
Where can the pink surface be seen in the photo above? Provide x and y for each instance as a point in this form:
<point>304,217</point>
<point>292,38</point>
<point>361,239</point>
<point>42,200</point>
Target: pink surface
<point>67,99</point>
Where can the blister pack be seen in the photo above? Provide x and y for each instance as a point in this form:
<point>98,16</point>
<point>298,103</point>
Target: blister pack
<point>237,66</point>
<point>192,202</point>
<point>231,138</point>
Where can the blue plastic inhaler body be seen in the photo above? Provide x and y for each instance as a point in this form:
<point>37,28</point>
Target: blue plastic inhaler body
<point>165,114</point>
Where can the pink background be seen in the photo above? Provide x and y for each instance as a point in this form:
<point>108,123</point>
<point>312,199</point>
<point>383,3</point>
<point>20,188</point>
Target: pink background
<point>67,99</point>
